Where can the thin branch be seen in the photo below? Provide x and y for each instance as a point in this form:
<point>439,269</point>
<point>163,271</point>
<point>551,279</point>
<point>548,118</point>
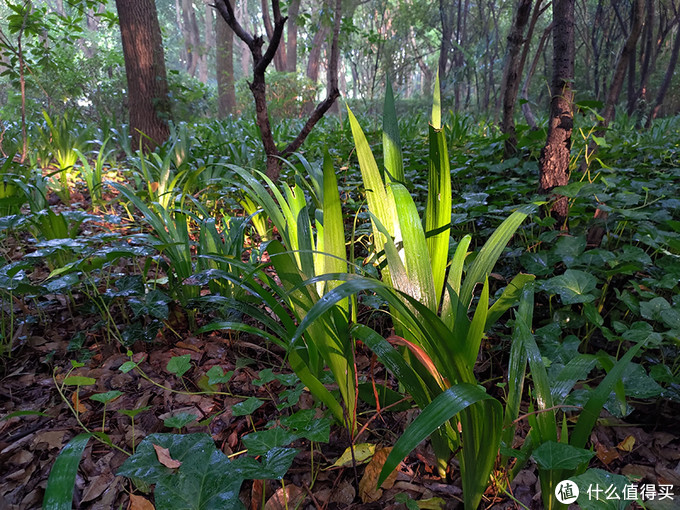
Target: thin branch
<point>227,11</point>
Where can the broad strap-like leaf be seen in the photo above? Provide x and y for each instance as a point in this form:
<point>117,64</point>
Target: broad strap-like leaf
<point>517,365</point>
<point>380,202</point>
<point>333,225</point>
<point>391,142</point>
<point>436,119</point>
<point>416,254</point>
<point>438,207</point>
<point>444,407</point>
<point>490,252</point>
<point>62,479</point>
<point>598,397</point>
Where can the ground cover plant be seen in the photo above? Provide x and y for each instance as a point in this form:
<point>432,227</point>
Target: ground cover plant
<point>328,266</point>
<point>161,295</point>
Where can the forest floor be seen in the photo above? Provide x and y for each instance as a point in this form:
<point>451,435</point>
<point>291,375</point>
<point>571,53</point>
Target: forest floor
<point>46,415</point>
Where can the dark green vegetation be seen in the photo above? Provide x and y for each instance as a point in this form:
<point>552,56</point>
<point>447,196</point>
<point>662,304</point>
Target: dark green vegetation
<point>212,314</point>
<point>157,250</point>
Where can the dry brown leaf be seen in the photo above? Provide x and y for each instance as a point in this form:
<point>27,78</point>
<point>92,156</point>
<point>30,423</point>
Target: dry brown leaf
<point>256,495</point>
<point>96,487</point>
<point>368,492</point>
<point>53,438</point>
<point>627,444</point>
<point>140,503</point>
<point>77,404</point>
<point>165,458</point>
<point>292,497</point>
<point>606,454</point>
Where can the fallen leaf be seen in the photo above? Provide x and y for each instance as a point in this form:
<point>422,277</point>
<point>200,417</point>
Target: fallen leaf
<point>77,404</point>
<point>362,453</point>
<point>368,492</point>
<point>53,438</point>
<point>185,345</point>
<point>292,497</point>
<point>627,444</point>
<point>256,495</point>
<point>605,454</point>
<point>140,503</point>
<point>165,458</point>
<point>431,504</point>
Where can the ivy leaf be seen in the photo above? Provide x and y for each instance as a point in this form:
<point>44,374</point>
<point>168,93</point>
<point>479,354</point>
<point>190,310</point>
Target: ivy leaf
<point>205,480</point>
<point>179,365</point>
<point>552,455</point>
<point>259,443</point>
<point>216,375</point>
<point>180,420</point>
<point>246,407</point>
<point>573,286</point>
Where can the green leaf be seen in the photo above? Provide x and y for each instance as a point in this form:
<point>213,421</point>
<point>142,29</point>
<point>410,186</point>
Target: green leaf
<point>275,463</point>
<point>134,412</point>
<point>62,479</point>
<point>127,366</point>
<point>216,375</point>
<point>304,424</point>
<point>246,407</point>
<point>179,365</point>
<point>23,413</point>
<point>180,420</point>
<point>653,309</point>
<point>391,142</point>
<point>106,397</point>
<point>552,455</point>
<point>259,443</point>
<point>77,380</point>
<point>206,479</point>
<point>444,407</point>
<point>609,483</point>
<point>573,286</point>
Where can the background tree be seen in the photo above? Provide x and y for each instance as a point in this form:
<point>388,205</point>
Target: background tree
<point>145,71</point>
<point>258,87</point>
<point>555,156</point>
<point>225,68</point>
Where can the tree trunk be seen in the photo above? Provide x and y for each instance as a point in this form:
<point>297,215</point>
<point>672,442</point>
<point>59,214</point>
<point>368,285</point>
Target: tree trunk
<point>145,70</point>
<point>667,79</point>
<point>446,16</point>
<point>291,43</point>
<point>554,160</point>
<point>627,53</point>
<point>226,94</point>
<point>647,49</point>
<point>315,52</point>
<point>526,107</point>
<point>511,75</point>
<point>280,56</point>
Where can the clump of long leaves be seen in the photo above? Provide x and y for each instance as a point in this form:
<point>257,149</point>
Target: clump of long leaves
<point>304,253</point>
<point>429,300</point>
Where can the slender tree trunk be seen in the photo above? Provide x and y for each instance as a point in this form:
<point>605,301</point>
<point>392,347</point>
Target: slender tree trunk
<point>446,16</point>
<point>526,107</point>
<point>627,53</point>
<point>291,43</point>
<point>511,75</point>
<point>226,94</point>
<point>280,56</point>
<point>647,49</point>
<point>668,78</point>
<point>145,70</point>
<point>315,52</point>
<point>554,161</point>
